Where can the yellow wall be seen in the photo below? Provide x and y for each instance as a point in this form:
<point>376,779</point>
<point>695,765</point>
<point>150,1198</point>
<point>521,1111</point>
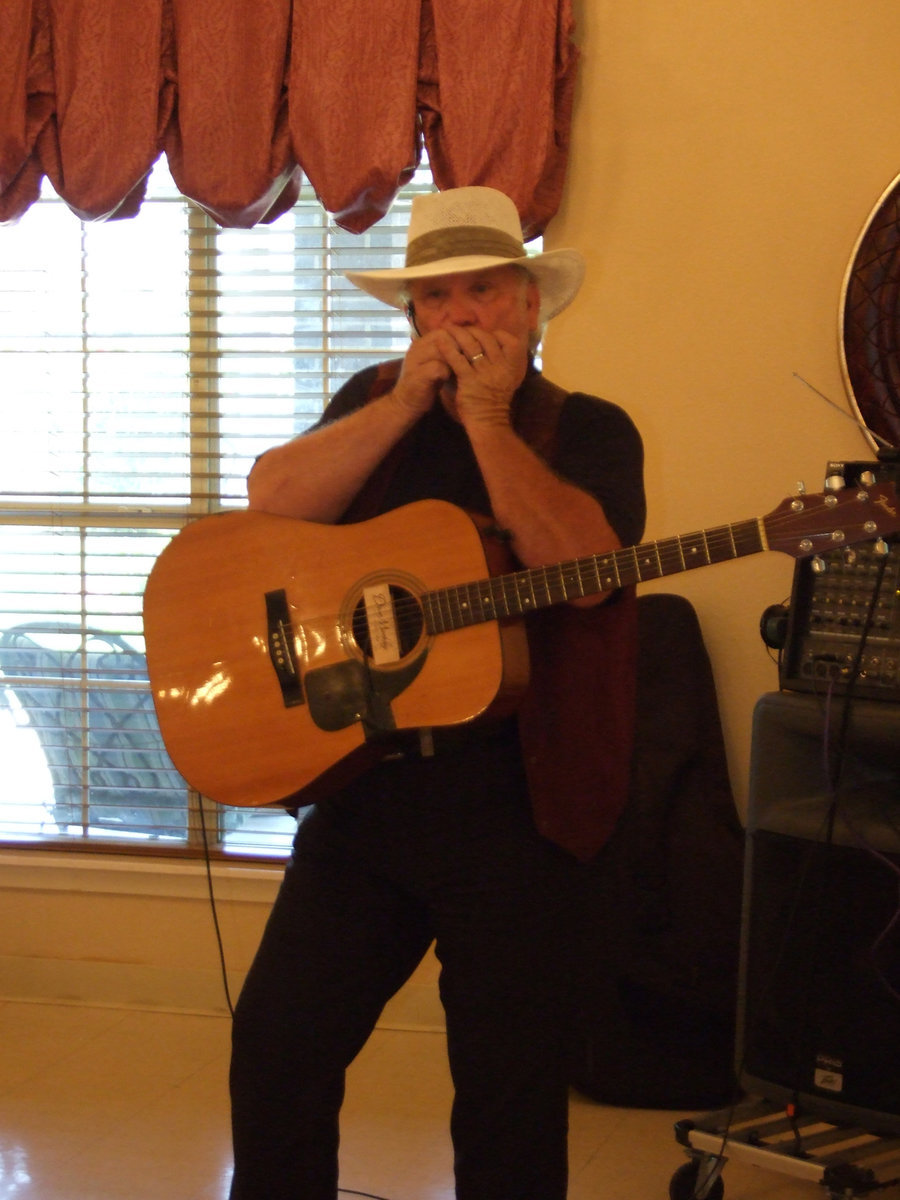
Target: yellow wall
<point>725,156</point>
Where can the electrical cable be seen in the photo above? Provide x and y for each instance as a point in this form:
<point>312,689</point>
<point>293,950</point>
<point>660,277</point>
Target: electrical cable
<point>222,963</point>
<point>214,908</point>
<point>838,758</point>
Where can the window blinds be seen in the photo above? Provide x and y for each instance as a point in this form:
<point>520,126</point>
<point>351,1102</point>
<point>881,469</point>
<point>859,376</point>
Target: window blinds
<point>145,364</point>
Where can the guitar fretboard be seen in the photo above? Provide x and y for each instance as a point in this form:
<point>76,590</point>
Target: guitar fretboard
<point>520,592</point>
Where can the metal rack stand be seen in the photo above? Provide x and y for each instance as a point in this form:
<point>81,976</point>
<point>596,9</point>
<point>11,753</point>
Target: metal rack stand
<point>848,1162</point>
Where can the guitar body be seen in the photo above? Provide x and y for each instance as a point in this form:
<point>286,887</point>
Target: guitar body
<point>269,671</point>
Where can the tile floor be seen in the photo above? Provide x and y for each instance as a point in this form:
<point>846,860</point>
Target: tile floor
<point>111,1104</point>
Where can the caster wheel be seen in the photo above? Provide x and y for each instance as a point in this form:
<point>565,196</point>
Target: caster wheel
<point>684,1183</point>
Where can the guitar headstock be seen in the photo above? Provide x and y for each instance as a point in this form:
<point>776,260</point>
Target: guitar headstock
<point>813,524</point>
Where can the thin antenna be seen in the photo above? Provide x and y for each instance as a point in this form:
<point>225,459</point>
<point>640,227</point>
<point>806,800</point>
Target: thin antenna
<point>883,442</point>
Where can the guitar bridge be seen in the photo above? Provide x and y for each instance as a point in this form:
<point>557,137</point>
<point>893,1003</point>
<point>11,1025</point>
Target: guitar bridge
<point>280,634</point>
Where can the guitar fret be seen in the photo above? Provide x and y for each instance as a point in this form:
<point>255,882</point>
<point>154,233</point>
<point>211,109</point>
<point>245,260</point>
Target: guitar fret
<point>498,597</point>
<point>454,606</point>
<point>547,594</point>
<point>468,608</point>
<point>649,565</point>
<point>607,572</point>
<point>557,590</point>
<point>476,604</point>
<point>540,592</point>
<point>721,545</point>
<point>588,583</point>
<point>431,608</point>
<point>486,599</point>
<point>670,556</point>
<point>446,613</point>
<point>583,567</point>
<point>748,538</point>
<point>694,550</point>
<point>467,598</point>
<point>580,577</point>
<point>589,580</point>
<point>636,566</point>
<point>458,605</point>
<point>570,577</point>
<point>511,595</point>
<point>526,582</point>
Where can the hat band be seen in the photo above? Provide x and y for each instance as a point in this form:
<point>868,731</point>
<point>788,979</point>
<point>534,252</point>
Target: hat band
<point>461,241</point>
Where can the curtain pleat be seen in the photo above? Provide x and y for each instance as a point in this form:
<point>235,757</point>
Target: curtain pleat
<point>352,90</point>
<point>104,134</point>
<point>497,82</point>
<point>26,102</point>
<point>15,34</point>
<point>229,146</point>
<point>245,96</point>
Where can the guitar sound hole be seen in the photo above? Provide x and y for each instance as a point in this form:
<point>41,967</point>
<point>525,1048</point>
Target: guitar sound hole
<point>407,615</point>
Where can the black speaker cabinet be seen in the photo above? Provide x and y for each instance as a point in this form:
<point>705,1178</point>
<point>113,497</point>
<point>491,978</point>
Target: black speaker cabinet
<point>819,1019</point>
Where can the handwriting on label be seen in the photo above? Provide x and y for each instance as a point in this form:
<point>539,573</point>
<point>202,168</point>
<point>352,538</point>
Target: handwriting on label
<point>382,624</point>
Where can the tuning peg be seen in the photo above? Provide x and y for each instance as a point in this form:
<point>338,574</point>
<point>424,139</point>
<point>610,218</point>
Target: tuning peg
<point>834,483</point>
<point>867,478</point>
<point>801,488</point>
<point>881,547</point>
<point>818,565</point>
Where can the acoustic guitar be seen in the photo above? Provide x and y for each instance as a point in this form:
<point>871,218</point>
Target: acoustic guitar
<point>282,652</point>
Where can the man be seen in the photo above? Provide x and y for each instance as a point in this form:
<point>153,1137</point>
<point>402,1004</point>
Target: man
<point>469,837</point>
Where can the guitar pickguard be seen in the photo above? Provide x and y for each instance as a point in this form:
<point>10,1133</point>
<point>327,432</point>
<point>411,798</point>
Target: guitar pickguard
<point>343,693</point>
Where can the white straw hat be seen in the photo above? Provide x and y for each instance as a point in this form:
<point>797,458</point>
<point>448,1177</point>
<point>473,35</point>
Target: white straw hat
<point>471,229</point>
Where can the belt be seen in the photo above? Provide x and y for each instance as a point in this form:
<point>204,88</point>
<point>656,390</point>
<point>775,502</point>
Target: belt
<point>416,745</point>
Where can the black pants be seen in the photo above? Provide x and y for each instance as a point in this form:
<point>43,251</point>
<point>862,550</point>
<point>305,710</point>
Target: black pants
<point>438,849</point>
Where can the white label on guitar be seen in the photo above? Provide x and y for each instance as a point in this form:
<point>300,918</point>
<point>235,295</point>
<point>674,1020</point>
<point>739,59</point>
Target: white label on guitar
<point>382,624</point>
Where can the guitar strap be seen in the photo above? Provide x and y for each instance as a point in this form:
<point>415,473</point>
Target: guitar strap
<point>576,720</point>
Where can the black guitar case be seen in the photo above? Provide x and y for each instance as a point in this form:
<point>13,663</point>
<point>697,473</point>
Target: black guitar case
<point>657,999</point>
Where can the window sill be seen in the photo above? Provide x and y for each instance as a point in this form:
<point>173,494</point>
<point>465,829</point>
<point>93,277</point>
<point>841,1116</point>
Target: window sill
<point>131,875</point>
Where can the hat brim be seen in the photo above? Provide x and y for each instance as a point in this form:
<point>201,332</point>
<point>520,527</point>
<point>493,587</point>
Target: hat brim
<point>558,274</point>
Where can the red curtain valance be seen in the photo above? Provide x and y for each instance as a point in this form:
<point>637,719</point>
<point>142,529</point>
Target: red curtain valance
<point>245,96</point>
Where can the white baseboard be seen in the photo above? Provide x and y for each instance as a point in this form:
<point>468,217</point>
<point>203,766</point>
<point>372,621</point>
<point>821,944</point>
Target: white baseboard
<point>136,933</point>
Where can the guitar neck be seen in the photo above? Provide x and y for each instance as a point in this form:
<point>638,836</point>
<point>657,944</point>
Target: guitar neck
<point>521,592</point>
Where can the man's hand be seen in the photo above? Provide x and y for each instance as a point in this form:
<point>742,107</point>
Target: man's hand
<point>489,369</point>
<point>425,370</point>
<point>477,372</point>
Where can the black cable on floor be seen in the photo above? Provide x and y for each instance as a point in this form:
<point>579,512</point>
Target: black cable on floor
<point>221,948</point>
<point>213,908</point>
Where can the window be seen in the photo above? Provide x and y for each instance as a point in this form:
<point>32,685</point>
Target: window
<point>145,364</point>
